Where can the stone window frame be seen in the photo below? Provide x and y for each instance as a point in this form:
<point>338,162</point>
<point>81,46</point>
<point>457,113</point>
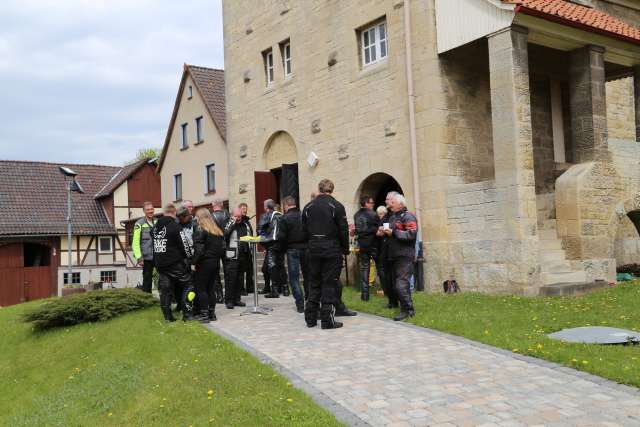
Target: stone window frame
<point>285,53</point>
<point>378,47</point>
<point>210,178</point>
<point>269,66</point>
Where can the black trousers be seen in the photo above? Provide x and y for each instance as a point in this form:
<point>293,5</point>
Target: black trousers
<point>232,281</point>
<point>205,276</point>
<point>324,277</point>
<point>265,274</point>
<point>147,275</point>
<point>304,266</point>
<point>402,271</point>
<point>217,282</point>
<point>364,258</point>
<point>245,273</point>
<point>175,281</point>
<point>388,285</point>
<point>277,272</point>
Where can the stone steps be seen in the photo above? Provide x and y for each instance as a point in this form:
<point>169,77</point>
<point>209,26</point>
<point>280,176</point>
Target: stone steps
<point>566,277</point>
<point>555,268</point>
<point>552,255</point>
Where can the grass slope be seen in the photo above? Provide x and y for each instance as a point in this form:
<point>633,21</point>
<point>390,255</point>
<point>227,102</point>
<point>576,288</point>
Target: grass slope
<point>521,324</point>
<point>137,370</point>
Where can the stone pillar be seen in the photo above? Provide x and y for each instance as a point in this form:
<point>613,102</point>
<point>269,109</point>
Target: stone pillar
<point>512,138</point>
<point>636,95</point>
<point>588,104</point>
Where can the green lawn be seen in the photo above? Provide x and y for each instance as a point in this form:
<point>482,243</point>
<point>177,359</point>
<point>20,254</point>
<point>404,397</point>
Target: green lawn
<point>520,324</point>
<point>137,370</point>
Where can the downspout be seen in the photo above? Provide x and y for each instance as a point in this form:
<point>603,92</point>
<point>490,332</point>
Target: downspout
<point>412,114</point>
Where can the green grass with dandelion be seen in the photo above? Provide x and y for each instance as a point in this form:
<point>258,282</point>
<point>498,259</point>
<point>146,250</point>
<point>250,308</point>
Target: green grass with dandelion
<point>138,370</point>
<point>521,324</point>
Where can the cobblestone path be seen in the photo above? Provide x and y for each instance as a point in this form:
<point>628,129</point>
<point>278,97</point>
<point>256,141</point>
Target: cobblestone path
<point>377,372</point>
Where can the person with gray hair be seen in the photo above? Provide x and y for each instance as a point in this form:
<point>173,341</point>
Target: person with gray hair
<point>402,233</point>
<point>386,278</point>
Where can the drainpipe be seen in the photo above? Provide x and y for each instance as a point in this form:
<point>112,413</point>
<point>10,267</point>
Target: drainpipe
<point>412,113</point>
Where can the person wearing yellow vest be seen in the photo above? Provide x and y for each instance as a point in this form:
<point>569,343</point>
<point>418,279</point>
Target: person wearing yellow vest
<point>143,245</point>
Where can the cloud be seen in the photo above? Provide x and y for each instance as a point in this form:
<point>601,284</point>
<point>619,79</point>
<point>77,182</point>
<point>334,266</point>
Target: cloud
<point>93,81</point>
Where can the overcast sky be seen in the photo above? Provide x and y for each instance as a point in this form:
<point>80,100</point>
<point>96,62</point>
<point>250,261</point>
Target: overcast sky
<point>93,81</point>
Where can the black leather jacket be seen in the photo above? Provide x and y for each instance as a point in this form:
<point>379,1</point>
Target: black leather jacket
<point>268,229</point>
<point>291,229</point>
<point>367,223</point>
<point>241,229</point>
<point>206,246</point>
<point>221,218</point>
<point>324,221</point>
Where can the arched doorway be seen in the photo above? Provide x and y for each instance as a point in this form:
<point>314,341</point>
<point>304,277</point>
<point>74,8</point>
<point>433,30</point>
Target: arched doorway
<point>377,186</point>
<point>280,179</point>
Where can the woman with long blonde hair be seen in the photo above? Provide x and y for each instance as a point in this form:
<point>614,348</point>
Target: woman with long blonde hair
<point>209,249</point>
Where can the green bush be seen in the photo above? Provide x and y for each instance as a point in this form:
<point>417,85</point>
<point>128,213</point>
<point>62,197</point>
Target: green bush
<point>87,307</point>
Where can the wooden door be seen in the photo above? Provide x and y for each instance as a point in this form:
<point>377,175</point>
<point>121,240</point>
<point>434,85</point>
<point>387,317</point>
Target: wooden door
<point>266,187</point>
<point>11,272</point>
<point>37,283</point>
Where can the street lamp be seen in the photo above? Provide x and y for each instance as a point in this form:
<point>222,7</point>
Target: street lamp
<point>72,186</point>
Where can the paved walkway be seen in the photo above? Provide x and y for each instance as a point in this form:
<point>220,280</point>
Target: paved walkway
<point>378,372</point>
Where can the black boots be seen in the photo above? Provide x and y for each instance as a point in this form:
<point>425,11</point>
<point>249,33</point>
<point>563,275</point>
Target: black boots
<point>203,316</point>
<point>327,317</point>
<point>311,314</point>
<point>364,295</point>
<point>285,290</point>
<point>274,292</point>
<point>300,306</point>
<point>168,315</point>
<point>212,315</point>
<point>404,314</point>
<point>343,311</point>
<point>239,304</point>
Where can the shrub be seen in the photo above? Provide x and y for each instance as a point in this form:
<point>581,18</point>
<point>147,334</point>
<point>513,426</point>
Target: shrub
<point>629,268</point>
<point>88,307</point>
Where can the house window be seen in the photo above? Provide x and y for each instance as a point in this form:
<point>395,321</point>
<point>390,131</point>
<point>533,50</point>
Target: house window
<point>108,276</point>
<point>373,40</point>
<point>210,178</point>
<point>199,130</point>
<point>75,278</point>
<point>177,187</point>
<point>285,50</point>
<point>185,136</point>
<point>268,65</point>
<point>190,92</point>
<point>104,245</point>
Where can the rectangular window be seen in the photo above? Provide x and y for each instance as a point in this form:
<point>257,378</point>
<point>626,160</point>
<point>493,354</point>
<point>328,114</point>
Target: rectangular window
<point>190,92</point>
<point>185,136</point>
<point>285,50</point>
<point>108,276</point>
<point>199,130</point>
<point>210,178</point>
<point>75,278</point>
<point>177,187</point>
<point>104,245</point>
<point>268,65</point>
<point>373,40</point>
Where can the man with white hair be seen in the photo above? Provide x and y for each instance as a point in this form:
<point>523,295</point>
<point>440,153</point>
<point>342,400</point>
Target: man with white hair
<point>402,233</point>
<point>387,266</point>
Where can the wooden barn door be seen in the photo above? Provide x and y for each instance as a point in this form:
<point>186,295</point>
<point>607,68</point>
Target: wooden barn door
<point>12,274</point>
<point>37,282</point>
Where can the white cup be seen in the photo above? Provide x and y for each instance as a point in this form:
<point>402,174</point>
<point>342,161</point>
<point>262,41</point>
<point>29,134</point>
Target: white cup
<point>385,226</point>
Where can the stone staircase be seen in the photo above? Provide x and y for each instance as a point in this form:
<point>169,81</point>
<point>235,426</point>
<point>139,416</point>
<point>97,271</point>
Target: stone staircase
<point>555,267</point>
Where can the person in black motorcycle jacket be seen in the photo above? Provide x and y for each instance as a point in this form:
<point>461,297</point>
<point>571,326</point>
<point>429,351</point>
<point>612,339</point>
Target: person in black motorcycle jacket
<point>221,217</point>
<point>366,225</point>
<point>275,246</point>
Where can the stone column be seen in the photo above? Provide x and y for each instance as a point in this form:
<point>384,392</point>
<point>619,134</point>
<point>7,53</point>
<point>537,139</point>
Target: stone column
<point>512,140</point>
<point>636,95</point>
<point>588,104</point>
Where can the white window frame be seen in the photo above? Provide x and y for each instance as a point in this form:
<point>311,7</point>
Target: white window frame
<point>115,276</point>
<point>378,48</point>
<point>65,277</point>
<point>176,188</point>
<point>105,238</point>
<point>207,189</point>
<point>286,59</point>
<point>190,92</point>
<point>185,136</point>
<point>268,66</point>
<point>199,130</point>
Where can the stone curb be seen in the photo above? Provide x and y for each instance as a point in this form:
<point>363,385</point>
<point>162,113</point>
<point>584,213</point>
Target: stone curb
<point>339,411</point>
<point>533,360</point>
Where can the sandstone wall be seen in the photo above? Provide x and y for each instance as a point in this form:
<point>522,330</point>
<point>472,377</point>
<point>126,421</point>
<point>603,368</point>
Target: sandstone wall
<point>620,109</point>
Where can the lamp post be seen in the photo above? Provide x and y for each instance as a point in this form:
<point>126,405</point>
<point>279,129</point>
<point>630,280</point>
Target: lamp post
<point>72,186</point>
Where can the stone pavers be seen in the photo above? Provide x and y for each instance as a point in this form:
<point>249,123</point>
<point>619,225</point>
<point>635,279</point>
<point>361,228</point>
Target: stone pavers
<point>378,372</point>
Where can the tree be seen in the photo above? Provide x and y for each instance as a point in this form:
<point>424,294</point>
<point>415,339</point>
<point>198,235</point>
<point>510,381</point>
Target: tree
<point>145,154</point>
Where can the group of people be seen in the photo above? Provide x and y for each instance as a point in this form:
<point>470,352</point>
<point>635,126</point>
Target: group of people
<point>189,249</point>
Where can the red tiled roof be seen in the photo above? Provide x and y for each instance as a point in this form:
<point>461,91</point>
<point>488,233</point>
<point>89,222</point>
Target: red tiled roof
<point>120,177</point>
<point>209,83</point>
<point>33,199</point>
<point>580,16</point>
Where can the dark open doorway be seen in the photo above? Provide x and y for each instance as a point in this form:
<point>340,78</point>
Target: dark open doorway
<point>377,186</point>
<point>36,255</point>
<point>277,184</point>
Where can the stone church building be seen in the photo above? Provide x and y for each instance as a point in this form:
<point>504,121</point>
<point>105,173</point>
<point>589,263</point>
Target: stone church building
<point>510,125</point>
